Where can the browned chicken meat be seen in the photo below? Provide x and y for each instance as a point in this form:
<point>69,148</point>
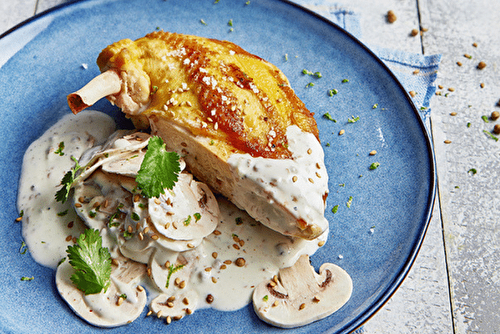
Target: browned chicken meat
<point>231,115</point>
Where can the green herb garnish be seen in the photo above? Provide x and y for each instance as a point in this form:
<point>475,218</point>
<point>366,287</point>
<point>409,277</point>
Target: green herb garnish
<point>491,135</point>
<point>353,119</point>
<point>23,248</point>
<point>374,165</point>
<point>62,213</point>
<point>310,85</point>
<point>230,23</point>
<point>238,220</point>
<point>335,208</point>
<point>60,149</point>
<point>187,221</point>
<point>349,202</point>
<point>171,271</point>
<point>159,169</point>
<point>375,106</point>
<point>472,170</point>
<point>332,92</point>
<point>485,119</point>
<point>345,80</point>
<point>24,278</point>
<point>197,217</point>
<point>91,261</point>
<point>202,21</point>
<point>67,182</point>
<point>329,117</point>
<point>265,298</point>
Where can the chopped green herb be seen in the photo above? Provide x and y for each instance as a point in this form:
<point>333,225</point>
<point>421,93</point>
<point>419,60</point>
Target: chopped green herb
<point>353,119</point>
<point>92,214</point>
<point>142,205</point>
<point>491,135</point>
<point>158,28</point>
<point>111,223</point>
<point>171,271</point>
<point>329,117</point>
<point>91,261</point>
<point>342,185</point>
<point>310,85</point>
<point>468,124</point>
<point>345,80</point>
<point>187,221</point>
<point>197,217</point>
<point>318,75</point>
<point>123,295</point>
<point>375,106</point>
<point>472,170</point>
<point>265,298</point>
<point>238,220</point>
<point>247,3</point>
<point>127,235</point>
<point>61,261</point>
<point>23,248</point>
<point>62,213</point>
<point>327,144</point>
<point>216,1</point>
<point>332,92</point>
<point>60,149</point>
<point>231,29</point>
<point>67,182</point>
<point>485,118</point>
<point>212,142</point>
<point>202,21</point>
<point>335,208</point>
<point>159,169</point>
<point>135,216</point>
<point>457,187</point>
<point>154,90</point>
<point>374,165</point>
<point>349,202</point>
<point>286,56</point>
<point>234,235</point>
<point>24,278</point>
<point>230,23</point>
<point>423,108</point>
<point>21,214</point>
<point>304,71</point>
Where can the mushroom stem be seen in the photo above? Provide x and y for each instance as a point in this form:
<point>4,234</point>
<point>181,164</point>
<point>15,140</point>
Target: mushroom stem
<point>107,83</point>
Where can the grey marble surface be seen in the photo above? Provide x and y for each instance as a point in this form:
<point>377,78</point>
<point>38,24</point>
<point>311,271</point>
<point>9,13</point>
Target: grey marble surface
<point>454,285</point>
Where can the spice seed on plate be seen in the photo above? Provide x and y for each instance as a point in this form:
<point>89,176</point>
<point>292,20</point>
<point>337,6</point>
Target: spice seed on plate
<point>481,65</point>
<point>447,141</point>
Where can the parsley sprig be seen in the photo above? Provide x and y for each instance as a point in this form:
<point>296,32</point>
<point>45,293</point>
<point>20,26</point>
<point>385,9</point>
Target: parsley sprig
<point>91,261</point>
<point>171,271</point>
<point>159,169</point>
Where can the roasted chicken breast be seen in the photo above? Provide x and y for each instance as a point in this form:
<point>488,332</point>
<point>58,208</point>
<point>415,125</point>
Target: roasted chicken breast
<point>231,115</point>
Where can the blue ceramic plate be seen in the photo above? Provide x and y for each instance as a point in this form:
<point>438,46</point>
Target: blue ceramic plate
<point>42,61</point>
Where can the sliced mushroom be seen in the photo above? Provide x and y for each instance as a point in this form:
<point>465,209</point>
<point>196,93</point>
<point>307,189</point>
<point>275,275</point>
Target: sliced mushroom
<point>300,296</point>
<point>189,211</point>
<point>106,309</point>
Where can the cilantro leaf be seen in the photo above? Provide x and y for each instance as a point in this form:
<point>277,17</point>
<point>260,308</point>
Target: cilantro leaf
<point>91,261</point>
<point>67,182</point>
<point>159,169</point>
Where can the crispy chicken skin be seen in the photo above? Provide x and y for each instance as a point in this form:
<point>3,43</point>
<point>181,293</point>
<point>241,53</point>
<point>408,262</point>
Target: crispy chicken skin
<point>207,99</point>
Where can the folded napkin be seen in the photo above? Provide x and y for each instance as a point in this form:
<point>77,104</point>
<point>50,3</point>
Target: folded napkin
<point>402,64</point>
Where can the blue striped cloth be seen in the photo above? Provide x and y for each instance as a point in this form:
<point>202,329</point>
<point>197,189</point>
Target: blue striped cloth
<point>402,64</point>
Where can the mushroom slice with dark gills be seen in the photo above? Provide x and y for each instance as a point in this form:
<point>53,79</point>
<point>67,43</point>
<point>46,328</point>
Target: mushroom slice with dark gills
<point>120,304</point>
<point>300,296</point>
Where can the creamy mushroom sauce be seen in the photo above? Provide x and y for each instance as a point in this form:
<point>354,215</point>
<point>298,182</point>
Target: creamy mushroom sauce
<point>220,271</point>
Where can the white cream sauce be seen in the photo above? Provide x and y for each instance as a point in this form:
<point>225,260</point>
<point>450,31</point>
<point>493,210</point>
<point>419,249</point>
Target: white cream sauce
<point>299,184</point>
<point>227,264</point>
<point>45,228</point>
